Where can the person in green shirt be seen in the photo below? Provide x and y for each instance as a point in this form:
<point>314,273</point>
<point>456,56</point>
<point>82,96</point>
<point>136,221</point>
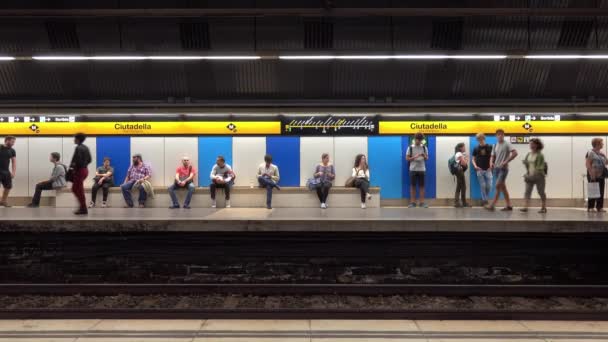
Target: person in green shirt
<point>536,172</point>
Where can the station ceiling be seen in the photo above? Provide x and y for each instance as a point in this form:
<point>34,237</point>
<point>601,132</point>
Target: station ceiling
<point>331,27</point>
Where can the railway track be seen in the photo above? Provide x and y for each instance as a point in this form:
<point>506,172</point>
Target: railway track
<point>251,301</point>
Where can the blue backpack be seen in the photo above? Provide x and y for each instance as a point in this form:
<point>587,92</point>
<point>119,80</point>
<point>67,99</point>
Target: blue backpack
<point>452,165</point>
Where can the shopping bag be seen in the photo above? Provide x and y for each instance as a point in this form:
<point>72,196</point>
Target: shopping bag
<point>593,190</point>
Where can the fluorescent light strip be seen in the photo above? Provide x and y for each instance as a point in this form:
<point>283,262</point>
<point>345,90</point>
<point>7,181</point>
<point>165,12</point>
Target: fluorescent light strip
<point>326,57</point>
<point>7,58</point>
<point>566,57</point>
<point>139,58</point>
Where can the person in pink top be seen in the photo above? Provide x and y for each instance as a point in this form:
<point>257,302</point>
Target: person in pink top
<point>184,179</point>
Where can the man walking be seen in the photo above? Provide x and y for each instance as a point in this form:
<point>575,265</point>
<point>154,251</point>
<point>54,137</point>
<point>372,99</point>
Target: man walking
<point>502,154</point>
<point>8,156</point>
<point>79,167</point>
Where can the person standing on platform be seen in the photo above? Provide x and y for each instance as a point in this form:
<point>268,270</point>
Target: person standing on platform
<point>481,162</point>
<point>55,182</point>
<point>596,172</point>
<point>137,174</point>
<point>8,156</point>
<point>184,179</point>
<point>324,176</point>
<point>502,154</point>
<point>79,169</point>
<point>536,172</point>
<point>104,179</point>
<point>222,177</point>
<point>268,177</point>
<point>417,154</point>
<point>361,176</point>
<point>462,162</point>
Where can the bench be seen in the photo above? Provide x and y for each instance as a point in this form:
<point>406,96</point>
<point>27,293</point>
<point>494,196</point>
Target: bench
<point>241,197</point>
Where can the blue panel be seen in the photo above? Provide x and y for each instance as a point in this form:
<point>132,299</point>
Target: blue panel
<point>475,190</point>
<point>208,150</point>
<point>385,165</point>
<point>430,186</point>
<point>285,153</point>
<point>119,150</point>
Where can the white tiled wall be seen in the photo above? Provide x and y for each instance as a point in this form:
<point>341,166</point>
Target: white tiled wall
<point>345,151</point>
<point>247,154</point>
<point>21,180</point>
<point>175,149</point>
<point>311,149</point>
<point>446,184</point>
<point>152,150</point>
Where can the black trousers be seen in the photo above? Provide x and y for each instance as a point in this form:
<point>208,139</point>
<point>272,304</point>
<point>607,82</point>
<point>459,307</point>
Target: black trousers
<point>39,188</point>
<point>597,202</point>
<point>461,187</point>
<point>105,188</point>
<point>363,185</point>
<point>214,186</point>
<point>323,191</point>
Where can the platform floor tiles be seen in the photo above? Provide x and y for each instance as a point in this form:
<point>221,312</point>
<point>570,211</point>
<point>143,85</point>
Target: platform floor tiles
<point>299,331</point>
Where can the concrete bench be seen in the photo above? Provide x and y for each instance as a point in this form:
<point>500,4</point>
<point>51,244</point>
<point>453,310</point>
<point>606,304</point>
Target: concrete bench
<point>241,197</point>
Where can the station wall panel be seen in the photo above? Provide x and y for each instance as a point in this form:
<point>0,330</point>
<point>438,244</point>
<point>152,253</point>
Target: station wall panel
<point>247,153</point>
<point>152,150</point>
<point>21,180</point>
<point>445,181</point>
<point>208,150</point>
<point>175,149</point>
<point>345,150</point>
<point>40,149</point>
<point>580,146</point>
<point>68,152</point>
<point>285,153</point>
<point>385,155</point>
<point>515,180</point>
<point>558,153</point>
<point>119,151</point>
<point>311,149</point>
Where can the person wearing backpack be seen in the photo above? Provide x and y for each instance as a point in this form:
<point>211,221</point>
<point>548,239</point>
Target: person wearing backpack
<point>55,182</point>
<point>417,154</point>
<point>459,165</point>
<point>536,172</point>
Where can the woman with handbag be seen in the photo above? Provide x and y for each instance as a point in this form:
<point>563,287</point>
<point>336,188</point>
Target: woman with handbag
<point>361,177</point>
<point>596,173</point>
<point>536,173</point>
<point>323,177</point>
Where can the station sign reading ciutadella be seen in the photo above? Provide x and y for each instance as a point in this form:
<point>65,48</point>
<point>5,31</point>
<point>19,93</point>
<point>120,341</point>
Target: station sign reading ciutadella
<point>299,124</point>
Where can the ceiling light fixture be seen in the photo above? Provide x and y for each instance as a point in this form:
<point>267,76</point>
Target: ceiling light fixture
<point>322,57</point>
<point>566,57</point>
<point>7,58</point>
<point>139,58</point>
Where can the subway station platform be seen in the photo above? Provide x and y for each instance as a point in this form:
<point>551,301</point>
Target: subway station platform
<point>300,330</point>
<point>557,220</point>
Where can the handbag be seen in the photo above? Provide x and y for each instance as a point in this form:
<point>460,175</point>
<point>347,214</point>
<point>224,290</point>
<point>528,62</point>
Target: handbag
<point>350,182</point>
<point>605,173</point>
<point>312,183</point>
<point>69,175</point>
<point>593,190</point>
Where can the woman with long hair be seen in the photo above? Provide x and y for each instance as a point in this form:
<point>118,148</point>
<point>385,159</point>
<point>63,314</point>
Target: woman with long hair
<point>361,175</point>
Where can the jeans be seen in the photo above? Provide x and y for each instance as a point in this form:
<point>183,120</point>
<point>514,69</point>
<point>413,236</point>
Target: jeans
<point>269,184</point>
<point>189,187</point>
<point>126,193</point>
<point>105,188</point>
<point>39,187</point>
<point>78,186</point>
<point>363,185</point>
<point>323,191</point>
<point>597,202</point>
<point>226,186</point>
<point>485,183</point>
<point>461,187</point>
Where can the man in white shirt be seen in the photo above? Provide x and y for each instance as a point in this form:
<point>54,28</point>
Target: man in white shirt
<point>222,177</point>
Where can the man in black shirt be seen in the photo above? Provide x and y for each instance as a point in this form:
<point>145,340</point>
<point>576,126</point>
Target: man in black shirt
<point>79,169</point>
<point>8,156</point>
<point>481,161</point>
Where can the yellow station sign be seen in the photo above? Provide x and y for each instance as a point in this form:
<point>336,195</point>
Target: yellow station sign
<point>488,127</point>
<point>143,128</point>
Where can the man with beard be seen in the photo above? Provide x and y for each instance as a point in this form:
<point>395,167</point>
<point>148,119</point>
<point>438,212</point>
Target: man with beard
<point>137,173</point>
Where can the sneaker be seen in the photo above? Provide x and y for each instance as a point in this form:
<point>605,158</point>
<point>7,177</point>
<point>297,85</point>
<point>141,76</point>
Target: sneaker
<point>269,207</point>
<point>363,206</point>
<point>32,205</point>
<point>81,212</point>
<point>457,204</point>
<point>91,204</point>
<point>213,204</point>
<point>127,206</point>
<point>278,187</point>
<point>601,210</point>
<point>412,205</point>
<point>141,206</point>
<point>104,204</point>
<point>507,208</point>
<point>323,206</point>
<point>523,210</point>
<point>4,204</point>
<point>489,207</point>
<point>542,211</point>
<point>228,204</point>
<point>186,207</point>
<point>174,207</point>
<point>423,205</point>
<point>465,205</point>
<point>369,196</point>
